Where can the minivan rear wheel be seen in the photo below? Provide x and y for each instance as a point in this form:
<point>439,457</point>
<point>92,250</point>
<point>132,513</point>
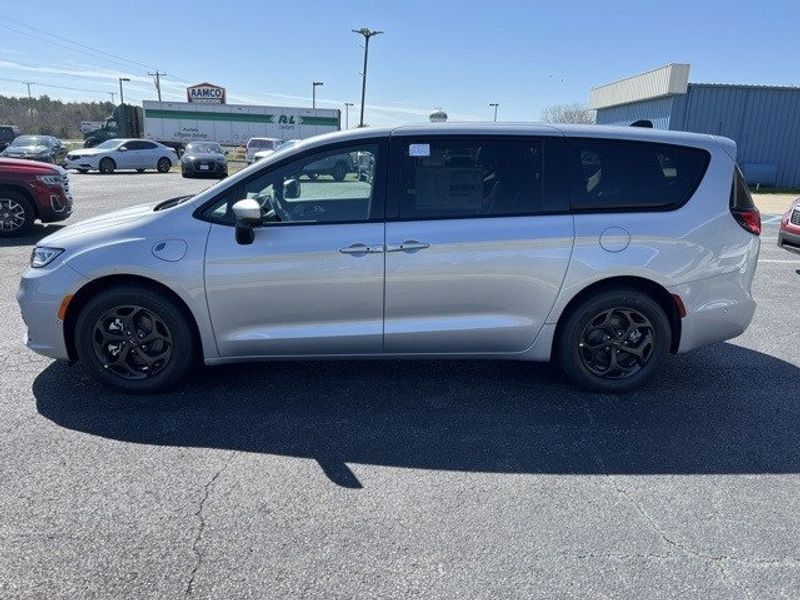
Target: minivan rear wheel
<point>134,339</point>
<point>613,341</point>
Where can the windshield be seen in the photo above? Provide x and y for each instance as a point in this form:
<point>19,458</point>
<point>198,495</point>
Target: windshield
<point>262,143</point>
<point>32,140</point>
<point>203,148</point>
<point>108,144</point>
<point>285,145</point>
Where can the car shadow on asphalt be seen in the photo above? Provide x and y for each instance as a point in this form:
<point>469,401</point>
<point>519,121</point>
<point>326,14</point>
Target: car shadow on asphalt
<point>38,233</point>
<point>722,409</point>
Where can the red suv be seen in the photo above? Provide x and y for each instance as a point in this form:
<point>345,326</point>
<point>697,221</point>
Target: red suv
<point>31,190</point>
<point>789,233</point>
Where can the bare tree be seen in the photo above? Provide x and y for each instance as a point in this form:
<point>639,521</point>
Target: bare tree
<point>575,112</point>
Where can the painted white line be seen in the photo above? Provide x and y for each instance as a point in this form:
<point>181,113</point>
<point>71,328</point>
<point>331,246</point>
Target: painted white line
<point>776,260</point>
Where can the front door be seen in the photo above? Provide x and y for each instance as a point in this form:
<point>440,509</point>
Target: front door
<point>311,283</point>
<point>477,243</point>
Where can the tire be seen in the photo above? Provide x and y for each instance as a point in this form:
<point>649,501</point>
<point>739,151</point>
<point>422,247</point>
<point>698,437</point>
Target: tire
<point>623,327</point>
<point>83,171</point>
<point>185,175</point>
<point>339,171</point>
<point>140,170</point>
<point>16,214</point>
<point>163,165</point>
<point>94,356</point>
<point>107,166</point>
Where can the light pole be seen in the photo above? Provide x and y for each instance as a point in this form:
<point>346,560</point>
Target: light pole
<point>347,106</point>
<point>314,85</point>
<point>112,94</point>
<point>121,97</point>
<point>494,105</point>
<point>367,33</point>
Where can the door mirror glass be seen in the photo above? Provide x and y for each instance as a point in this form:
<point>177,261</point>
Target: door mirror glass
<point>291,189</point>
<point>247,215</point>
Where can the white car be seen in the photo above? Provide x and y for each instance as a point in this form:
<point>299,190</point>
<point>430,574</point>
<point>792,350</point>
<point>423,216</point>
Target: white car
<point>282,146</point>
<point>117,154</point>
<point>259,144</point>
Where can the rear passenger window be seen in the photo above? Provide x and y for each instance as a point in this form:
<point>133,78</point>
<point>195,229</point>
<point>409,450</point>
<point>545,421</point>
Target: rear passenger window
<point>447,178</point>
<point>617,175</point>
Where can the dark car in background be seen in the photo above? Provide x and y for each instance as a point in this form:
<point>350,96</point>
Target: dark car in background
<point>29,191</point>
<point>7,135</point>
<point>44,148</point>
<point>204,159</point>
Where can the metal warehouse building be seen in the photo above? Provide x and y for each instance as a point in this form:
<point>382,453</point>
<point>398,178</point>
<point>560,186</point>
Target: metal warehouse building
<point>764,120</point>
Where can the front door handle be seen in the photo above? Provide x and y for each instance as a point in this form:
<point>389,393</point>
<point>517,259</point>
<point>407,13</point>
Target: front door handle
<point>360,249</point>
<point>408,246</point>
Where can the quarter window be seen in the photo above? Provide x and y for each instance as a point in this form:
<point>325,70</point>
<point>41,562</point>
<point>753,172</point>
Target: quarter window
<point>617,175</point>
<point>447,178</point>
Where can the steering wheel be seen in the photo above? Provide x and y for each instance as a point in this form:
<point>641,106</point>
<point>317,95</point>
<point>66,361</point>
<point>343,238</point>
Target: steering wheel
<point>276,206</point>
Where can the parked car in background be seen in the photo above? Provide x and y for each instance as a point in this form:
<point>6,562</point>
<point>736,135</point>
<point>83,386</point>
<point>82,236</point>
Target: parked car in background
<point>282,146</point>
<point>29,191</point>
<point>123,154</point>
<point>44,148</point>
<point>7,135</point>
<point>257,144</point>
<point>789,232</point>
<point>604,249</point>
<point>203,159</point>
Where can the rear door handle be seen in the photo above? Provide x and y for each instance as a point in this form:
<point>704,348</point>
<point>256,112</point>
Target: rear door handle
<point>360,249</point>
<point>408,246</point>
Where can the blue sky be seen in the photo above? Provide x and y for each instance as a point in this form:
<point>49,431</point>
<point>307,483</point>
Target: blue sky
<point>455,55</point>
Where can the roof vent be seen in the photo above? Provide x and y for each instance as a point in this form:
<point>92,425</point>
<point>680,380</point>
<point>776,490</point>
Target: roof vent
<point>643,123</point>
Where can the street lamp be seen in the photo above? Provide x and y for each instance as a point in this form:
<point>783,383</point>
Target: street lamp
<point>121,97</point>
<point>314,85</point>
<point>347,106</point>
<point>367,33</point>
<point>494,105</point>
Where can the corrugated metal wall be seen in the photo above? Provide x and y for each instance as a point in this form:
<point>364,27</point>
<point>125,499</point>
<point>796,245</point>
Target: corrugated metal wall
<point>764,121</point>
<point>658,110</point>
<point>668,80</point>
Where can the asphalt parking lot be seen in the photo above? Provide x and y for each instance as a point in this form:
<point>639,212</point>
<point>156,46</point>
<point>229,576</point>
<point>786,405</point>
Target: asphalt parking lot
<point>402,480</point>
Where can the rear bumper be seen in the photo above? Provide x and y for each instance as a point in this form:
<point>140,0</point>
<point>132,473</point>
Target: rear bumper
<point>717,309</point>
<point>789,240</point>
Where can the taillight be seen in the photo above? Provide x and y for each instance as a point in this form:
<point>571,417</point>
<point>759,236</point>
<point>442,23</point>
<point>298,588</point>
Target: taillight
<point>749,219</point>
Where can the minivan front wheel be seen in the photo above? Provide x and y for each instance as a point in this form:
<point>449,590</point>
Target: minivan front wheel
<point>614,341</point>
<point>134,340</point>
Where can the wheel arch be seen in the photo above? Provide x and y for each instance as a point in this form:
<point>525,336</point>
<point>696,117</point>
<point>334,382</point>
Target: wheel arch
<point>655,290</point>
<point>91,288</point>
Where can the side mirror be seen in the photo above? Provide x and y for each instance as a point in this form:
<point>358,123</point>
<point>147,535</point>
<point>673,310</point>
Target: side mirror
<point>291,189</point>
<point>247,215</point>
<point>122,149</point>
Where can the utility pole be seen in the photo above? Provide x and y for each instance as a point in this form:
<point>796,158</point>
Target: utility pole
<point>157,77</point>
<point>347,106</point>
<point>314,85</point>
<point>494,105</point>
<point>29,84</point>
<point>367,33</point>
<point>112,94</point>
<point>121,97</point>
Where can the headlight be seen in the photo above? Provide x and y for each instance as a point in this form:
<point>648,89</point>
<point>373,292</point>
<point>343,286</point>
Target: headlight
<point>41,257</point>
<point>50,179</point>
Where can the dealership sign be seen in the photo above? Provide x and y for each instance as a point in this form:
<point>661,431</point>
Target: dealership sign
<point>206,93</point>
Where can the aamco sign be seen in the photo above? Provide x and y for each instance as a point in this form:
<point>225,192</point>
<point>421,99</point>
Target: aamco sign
<point>206,93</point>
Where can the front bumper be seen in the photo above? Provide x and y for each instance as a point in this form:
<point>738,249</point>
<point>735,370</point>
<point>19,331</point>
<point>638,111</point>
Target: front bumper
<point>197,168</point>
<point>53,202</point>
<point>789,240</point>
<point>40,294</point>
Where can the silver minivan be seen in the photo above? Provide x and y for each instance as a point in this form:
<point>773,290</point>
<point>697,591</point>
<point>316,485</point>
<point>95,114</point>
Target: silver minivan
<point>604,249</point>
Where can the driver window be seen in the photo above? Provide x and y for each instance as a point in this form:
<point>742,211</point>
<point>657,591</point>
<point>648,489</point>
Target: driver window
<point>327,187</point>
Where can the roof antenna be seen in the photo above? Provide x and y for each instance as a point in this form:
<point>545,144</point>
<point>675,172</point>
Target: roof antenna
<point>642,123</point>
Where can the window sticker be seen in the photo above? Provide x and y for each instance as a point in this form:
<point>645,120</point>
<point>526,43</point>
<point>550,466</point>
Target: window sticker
<point>419,149</point>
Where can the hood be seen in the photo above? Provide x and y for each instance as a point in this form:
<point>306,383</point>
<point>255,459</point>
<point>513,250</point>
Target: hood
<point>86,233</point>
<point>26,150</point>
<point>89,151</point>
<point>204,156</point>
<point>15,166</point>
